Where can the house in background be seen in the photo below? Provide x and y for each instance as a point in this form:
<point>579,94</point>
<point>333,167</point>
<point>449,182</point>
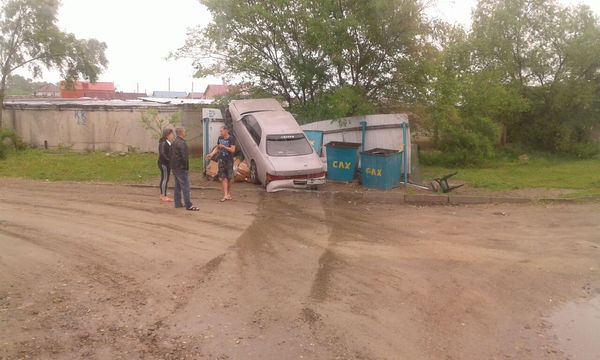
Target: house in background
<point>98,90</point>
<point>195,95</point>
<point>170,94</point>
<point>215,91</point>
<point>49,90</point>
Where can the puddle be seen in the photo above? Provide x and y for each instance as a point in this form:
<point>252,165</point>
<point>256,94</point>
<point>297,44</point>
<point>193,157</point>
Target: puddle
<point>577,328</point>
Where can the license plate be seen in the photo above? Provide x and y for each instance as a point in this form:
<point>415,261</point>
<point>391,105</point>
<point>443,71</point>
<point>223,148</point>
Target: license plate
<point>315,181</point>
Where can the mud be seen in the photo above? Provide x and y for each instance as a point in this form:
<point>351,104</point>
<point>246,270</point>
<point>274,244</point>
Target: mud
<point>577,326</point>
<point>108,272</point>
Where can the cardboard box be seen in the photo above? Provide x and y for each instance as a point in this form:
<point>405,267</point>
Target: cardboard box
<point>241,171</point>
<point>212,169</point>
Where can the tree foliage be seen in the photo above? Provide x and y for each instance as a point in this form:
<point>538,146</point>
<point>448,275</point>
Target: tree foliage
<point>152,121</point>
<point>549,55</point>
<point>17,85</point>
<point>308,51</point>
<point>9,137</point>
<point>31,39</point>
<point>531,67</point>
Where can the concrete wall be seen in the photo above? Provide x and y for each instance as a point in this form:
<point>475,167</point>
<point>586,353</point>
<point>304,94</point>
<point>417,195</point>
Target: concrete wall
<point>85,127</point>
<point>191,118</point>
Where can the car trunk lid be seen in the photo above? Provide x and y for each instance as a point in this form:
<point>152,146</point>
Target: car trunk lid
<point>296,165</point>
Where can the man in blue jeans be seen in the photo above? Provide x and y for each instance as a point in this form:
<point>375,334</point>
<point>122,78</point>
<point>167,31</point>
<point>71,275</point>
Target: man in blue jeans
<point>180,165</point>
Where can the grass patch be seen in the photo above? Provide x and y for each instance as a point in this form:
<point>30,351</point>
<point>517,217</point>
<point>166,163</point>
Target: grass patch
<point>538,172</point>
<point>85,167</point>
<point>584,194</point>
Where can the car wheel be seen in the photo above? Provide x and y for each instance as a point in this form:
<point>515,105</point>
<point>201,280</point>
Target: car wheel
<point>254,173</point>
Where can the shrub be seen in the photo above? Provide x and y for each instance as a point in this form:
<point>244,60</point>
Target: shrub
<point>468,141</point>
<point>586,150</point>
<point>431,157</point>
<point>154,122</point>
<point>13,138</point>
<point>345,101</point>
<point>512,151</point>
<point>9,137</point>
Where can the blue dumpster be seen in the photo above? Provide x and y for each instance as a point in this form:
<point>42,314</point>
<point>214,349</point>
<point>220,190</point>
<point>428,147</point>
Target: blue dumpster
<point>381,169</point>
<point>315,138</point>
<point>342,158</point>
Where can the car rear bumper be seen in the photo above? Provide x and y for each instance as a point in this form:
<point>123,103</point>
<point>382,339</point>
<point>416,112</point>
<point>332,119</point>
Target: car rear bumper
<point>279,185</point>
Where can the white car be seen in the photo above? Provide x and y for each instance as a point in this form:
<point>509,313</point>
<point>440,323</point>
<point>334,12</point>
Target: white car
<point>274,145</point>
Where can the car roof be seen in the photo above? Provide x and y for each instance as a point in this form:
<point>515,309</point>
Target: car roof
<point>239,108</point>
<point>277,122</point>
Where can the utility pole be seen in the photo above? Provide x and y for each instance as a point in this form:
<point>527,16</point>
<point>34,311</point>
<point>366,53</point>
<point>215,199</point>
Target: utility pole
<point>169,84</point>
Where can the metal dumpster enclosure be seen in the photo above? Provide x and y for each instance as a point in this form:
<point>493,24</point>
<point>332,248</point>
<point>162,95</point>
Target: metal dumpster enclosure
<point>315,138</point>
<point>383,131</point>
<point>381,169</point>
<point>342,158</point>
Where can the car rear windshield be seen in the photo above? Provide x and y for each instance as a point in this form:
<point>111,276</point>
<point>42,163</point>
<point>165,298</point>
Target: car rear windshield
<point>288,145</point>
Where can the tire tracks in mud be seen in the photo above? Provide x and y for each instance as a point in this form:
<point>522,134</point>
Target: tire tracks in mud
<point>346,225</point>
<point>279,278</point>
<point>104,299</point>
<point>63,313</point>
<point>260,291</point>
<point>300,276</point>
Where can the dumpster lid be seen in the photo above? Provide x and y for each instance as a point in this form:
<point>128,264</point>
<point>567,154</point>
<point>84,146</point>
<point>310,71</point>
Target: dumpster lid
<point>342,144</point>
<point>380,152</point>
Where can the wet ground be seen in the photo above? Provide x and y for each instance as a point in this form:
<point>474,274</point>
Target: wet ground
<point>108,272</point>
<point>576,325</point>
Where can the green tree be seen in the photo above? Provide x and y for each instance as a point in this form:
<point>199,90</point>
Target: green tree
<point>531,66</point>
<point>547,54</point>
<point>341,102</point>
<point>30,38</point>
<point>156,124</point>
<point>17,85</point>
<point>304,51</point>
<point>463,103</point>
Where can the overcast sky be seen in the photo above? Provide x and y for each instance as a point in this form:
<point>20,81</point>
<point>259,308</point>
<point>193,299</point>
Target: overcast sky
<point>141,33</point>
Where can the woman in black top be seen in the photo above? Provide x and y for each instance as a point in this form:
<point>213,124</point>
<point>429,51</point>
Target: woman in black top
<point>164,151</point>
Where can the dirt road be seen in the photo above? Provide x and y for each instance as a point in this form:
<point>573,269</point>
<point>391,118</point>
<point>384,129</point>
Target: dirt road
<point>107,272</point>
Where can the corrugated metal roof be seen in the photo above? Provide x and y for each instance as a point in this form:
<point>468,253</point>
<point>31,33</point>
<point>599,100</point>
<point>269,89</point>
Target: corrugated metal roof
<point>42,103</point>
<point>350,122</point>
<point>170,94</point>
<point>175,101</point>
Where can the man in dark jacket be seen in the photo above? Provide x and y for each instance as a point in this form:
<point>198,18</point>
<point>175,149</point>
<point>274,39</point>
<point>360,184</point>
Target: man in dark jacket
<point>180,166</point>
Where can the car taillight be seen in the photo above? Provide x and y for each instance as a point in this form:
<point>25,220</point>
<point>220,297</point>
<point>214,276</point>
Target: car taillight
<point>294,177</point>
